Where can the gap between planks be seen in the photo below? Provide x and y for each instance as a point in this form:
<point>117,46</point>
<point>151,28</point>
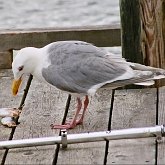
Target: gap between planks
<point>42,108</point>
<point>96,120</point>
<point>133,108</point>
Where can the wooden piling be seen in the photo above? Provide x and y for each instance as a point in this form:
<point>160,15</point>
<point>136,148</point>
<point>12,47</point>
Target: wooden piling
<point>130,30</point>
<point>143,30</point>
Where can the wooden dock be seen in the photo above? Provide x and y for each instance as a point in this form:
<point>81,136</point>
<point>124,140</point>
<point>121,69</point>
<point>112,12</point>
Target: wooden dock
<point>45,105</point>
<point>132,108</point>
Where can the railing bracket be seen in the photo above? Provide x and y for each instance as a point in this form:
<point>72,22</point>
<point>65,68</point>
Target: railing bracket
<point>64,138</point>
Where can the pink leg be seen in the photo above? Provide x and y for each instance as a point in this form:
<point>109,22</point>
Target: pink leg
<point>86,102</point>
<point>73,123</point>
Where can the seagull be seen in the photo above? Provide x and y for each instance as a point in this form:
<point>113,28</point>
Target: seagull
<point>81,69</point>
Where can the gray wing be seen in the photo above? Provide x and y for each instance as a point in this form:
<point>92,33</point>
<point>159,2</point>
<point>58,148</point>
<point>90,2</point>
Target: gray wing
<point>77,66</point>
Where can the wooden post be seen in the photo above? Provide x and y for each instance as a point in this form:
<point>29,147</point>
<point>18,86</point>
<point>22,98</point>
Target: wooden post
<point>130,30</point>
<point>6,59</point>
<point>143,32</point>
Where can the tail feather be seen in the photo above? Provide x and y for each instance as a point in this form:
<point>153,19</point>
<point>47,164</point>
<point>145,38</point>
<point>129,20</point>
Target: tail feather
<point>144,75</point>
<point>157,72</point>
<point>140,76</point>
<point>146,83</point>
<point>141,67</point>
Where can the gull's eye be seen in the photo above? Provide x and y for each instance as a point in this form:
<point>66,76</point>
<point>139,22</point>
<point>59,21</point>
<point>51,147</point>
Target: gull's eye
<point>20,68</point>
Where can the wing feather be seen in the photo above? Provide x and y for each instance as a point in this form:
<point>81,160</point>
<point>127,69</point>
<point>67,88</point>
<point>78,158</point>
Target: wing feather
<point>77,66</point>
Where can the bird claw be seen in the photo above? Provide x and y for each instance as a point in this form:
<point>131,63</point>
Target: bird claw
<point>64,126</point>
<point>70,124</point>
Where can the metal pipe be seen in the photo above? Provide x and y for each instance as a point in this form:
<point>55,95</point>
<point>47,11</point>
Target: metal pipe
<point>157,131</point>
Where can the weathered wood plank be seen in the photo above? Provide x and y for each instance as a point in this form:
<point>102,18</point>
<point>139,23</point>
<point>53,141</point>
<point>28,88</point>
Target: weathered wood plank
<point>6,59</point>
<point>103,36</point>
<point>6,100</point>
<point>133,108</point>
<point>161,120</point>
<point>43,107</point>
<point>96,120</point>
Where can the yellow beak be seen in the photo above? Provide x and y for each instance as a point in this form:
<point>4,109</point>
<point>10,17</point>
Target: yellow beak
<point>15,86</point>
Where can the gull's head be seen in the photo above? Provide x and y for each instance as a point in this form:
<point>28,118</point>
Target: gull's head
<point>23,64</point>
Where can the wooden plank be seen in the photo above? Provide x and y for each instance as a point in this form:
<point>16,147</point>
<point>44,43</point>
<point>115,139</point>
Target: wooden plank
<point>44,106</point>
<point>96,120</point>
<point>133,108</point>
<point>6,59</point>
<point>103,36</point>
<point>6,100</point>
<point>161,120</point>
